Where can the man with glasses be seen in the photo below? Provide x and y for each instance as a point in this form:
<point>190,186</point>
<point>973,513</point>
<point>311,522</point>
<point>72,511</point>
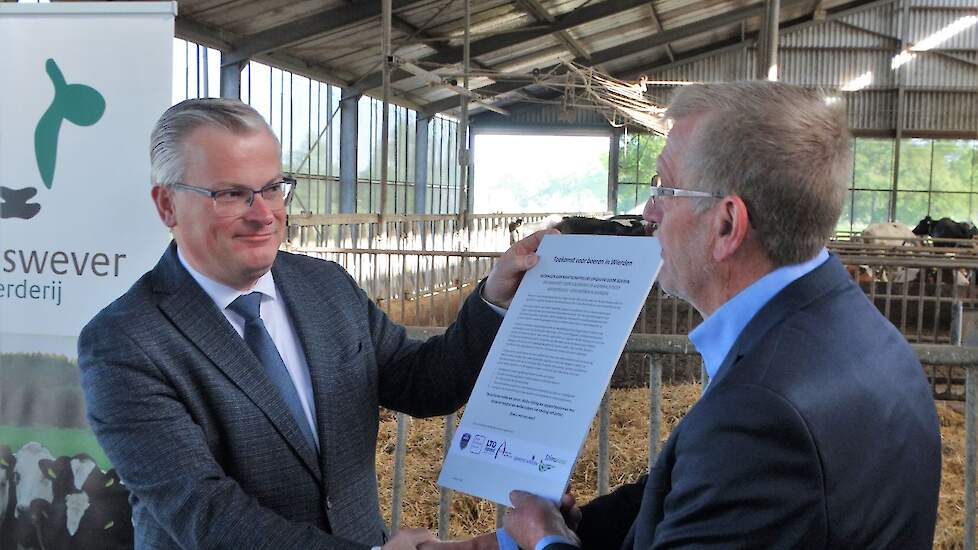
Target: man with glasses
<point>817,428</point>
<point>235,387</point>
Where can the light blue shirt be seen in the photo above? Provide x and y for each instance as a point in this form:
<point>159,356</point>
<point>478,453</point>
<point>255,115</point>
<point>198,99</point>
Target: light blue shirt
<point>717,333</point>
<point>506,542</point>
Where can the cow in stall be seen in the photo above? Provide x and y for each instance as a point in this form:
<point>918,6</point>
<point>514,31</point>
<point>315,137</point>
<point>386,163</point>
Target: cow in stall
<point>946,228</point>
<point>626,224</point>
<point>887,234</point>
<point>514,231</point>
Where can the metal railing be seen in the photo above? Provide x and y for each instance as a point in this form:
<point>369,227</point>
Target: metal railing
<point>426,288</point>
<point>679,345</point>
<point>445,232</point>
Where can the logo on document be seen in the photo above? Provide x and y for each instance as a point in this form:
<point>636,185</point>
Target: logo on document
<point>477,444</point>
<point>464,442</point>
<point>543,466</point>
<point>77,103</point>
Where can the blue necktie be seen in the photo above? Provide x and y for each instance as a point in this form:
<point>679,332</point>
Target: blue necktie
<point>260,342</point>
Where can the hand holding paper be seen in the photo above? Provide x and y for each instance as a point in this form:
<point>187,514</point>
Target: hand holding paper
<point>505,277</point>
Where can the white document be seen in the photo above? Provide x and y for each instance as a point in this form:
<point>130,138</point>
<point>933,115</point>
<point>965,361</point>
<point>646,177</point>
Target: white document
<point>550,365</point>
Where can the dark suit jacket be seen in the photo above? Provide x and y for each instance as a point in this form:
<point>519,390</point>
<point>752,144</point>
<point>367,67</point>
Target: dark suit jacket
<point>206,444</point>
<point>819,431</point>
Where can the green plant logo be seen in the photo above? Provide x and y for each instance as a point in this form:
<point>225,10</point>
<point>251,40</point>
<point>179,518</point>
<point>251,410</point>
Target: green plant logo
<point>77,103</point>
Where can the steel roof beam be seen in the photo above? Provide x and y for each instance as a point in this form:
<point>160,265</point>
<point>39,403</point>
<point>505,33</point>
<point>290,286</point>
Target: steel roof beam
<point>728,46</point>
<point>622,50</point>
<point>542,15</point>
<point>493,44</point>
<point>307,28</point>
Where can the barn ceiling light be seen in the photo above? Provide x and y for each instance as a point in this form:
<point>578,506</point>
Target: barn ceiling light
<point>933,40</point>
<point>858,83</point>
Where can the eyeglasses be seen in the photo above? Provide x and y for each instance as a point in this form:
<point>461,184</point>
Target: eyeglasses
<point>656,190</point>
<point>237,200</point>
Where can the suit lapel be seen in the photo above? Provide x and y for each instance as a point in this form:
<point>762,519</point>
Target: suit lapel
<point>313,315</point>
<point>194,314</point>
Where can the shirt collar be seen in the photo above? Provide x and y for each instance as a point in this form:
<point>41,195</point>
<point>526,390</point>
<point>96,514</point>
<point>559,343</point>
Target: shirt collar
<point>716,335</point>
<point>222,294</point>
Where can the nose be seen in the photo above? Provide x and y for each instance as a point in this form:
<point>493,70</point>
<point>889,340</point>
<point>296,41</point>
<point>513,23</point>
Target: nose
<point>651,213</point>
<point>260,210</point>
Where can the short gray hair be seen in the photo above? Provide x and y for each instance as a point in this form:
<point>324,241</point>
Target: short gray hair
<point>167,164</point>
<point>783,149</point>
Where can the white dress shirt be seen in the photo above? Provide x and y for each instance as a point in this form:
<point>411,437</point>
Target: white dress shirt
<point>277,322</point>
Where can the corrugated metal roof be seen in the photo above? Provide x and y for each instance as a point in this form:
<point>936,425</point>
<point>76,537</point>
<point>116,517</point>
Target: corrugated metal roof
<point>622,37</point>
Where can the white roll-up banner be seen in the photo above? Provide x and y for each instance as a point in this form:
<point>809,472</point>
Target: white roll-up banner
<point>83,84</point>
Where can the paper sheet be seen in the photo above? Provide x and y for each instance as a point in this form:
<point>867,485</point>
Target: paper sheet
<point>549,366</point>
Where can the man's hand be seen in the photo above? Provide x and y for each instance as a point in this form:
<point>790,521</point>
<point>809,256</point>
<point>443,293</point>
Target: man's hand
<point>482,542</point>
<point>533,518</point>
<point>506,275</point>
<point>570,511</point>
<point>409,539</point>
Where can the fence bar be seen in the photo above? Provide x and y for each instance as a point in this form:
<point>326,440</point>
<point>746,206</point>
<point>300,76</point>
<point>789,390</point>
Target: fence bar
<point>603,445</point>
<point>970,456</point>
<point>963,333</point>
<point>400,451</point>
<point>445,497</point>
<point>655,409</point>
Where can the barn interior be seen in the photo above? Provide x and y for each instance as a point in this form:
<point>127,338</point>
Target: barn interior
<point>381,108</point>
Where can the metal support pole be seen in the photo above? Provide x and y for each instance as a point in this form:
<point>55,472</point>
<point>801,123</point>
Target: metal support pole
<point>400,451</point>
<point>385,118</point>
<point>463,126</point>
<point>771,44</point>
<point>964,332</point>
<point>901,73</point>
<point>614,161</point>
<point>349,108</point>
<point>603,422</point>
<point>348,152</point>
<point>970,456</point>
<point>231,78</point>
<point>470,192</point>
<point>421,165</point>
<point>655,409</point>
<point>445,498</point>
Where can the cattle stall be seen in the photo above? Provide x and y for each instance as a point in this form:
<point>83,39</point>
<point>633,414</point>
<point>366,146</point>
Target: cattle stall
<point>445,232</point>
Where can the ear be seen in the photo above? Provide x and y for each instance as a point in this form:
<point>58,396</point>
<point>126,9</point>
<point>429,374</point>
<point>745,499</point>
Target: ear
<point>163,198</point>
<point>731,225</point>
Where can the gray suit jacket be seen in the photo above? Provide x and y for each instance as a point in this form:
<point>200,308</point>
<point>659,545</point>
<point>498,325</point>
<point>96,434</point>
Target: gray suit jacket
<point>206,444</point>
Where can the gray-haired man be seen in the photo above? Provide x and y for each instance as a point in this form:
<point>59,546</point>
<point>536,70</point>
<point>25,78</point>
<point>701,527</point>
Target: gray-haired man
<point>818,429</point>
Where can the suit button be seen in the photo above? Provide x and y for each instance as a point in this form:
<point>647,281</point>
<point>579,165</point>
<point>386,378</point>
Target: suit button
<point>329,504</point>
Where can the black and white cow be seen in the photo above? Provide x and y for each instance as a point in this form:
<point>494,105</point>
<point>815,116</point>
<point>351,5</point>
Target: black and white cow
<point>627,224</point>
<point>87,508</point>
<point>945,228</point>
